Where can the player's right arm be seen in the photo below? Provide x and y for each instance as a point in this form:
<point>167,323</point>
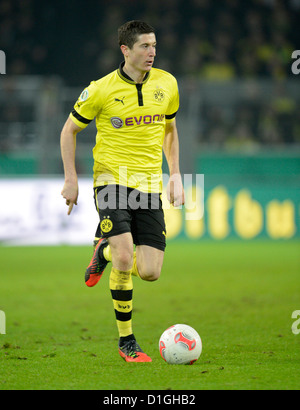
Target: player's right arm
<point>68,148</point>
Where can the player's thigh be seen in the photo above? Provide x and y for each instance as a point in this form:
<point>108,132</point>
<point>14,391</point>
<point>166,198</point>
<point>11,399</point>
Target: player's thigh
<point>115,218</point>
<point>148,225</point>
<point>149,262</point>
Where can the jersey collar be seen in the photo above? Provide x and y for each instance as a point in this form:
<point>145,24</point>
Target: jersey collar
<point>126,77</point>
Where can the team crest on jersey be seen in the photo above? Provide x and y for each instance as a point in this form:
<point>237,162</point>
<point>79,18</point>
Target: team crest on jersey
<point>116,122</point>
<point>159,95</point>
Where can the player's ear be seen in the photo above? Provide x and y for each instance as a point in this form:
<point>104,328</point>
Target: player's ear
<point>125,50</point>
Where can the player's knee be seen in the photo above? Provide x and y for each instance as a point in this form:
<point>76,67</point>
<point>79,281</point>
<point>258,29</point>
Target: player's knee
<point>150,274</point>
<point>123,260</point>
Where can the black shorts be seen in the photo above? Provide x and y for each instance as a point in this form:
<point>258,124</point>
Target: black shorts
<point>123,209</point>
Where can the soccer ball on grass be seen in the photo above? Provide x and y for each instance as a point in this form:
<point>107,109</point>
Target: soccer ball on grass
<point>180,344</point>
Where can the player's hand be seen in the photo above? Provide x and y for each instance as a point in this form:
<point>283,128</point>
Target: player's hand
<point>70,193</point>
<point>175,191</point>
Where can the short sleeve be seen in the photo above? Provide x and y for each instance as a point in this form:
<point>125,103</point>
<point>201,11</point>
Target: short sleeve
<point>87,106</point>
<point>174,101</point>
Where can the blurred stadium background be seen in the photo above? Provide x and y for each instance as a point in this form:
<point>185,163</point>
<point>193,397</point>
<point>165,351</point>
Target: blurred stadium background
<point>239,120</point>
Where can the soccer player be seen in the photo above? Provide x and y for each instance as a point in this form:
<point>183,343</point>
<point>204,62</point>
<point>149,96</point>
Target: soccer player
<point>135,108</point>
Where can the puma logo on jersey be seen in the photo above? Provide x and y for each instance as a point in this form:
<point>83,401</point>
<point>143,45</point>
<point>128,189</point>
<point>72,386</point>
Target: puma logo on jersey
<point>122,100</point>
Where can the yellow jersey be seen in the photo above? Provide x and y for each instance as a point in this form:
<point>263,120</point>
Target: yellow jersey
<point>130,120</point>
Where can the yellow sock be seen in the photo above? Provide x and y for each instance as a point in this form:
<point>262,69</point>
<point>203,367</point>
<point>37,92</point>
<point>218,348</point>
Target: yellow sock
<point>135,271</point>
<point>121,287</point>
<point>107,253</point>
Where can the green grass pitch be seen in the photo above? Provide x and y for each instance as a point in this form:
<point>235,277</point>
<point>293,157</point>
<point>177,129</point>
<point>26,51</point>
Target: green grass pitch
<point>239,296</point>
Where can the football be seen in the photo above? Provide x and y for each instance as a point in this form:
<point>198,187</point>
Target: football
<point>180,344</point>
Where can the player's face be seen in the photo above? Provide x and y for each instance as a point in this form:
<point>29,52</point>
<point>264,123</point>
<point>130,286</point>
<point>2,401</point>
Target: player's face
<point>141,56</point>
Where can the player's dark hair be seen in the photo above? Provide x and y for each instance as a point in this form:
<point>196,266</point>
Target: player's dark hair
<point>129,32</point>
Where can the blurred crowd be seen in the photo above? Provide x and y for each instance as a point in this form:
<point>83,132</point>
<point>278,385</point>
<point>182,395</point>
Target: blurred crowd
<point>217,40</point>
<point>251,121</point>
<point>197,39</point>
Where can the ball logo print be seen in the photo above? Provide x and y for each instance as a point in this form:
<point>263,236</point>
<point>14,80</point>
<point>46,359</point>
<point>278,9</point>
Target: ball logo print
<point>181,338</point>
<point>162,348</point>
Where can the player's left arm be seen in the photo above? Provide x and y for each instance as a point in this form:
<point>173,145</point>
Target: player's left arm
<point>175,191</point>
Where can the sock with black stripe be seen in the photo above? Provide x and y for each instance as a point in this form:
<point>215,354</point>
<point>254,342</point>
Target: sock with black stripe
<point>121,287</point>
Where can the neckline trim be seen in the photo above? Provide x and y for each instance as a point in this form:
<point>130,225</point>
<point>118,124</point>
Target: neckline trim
<point>128,79</point>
